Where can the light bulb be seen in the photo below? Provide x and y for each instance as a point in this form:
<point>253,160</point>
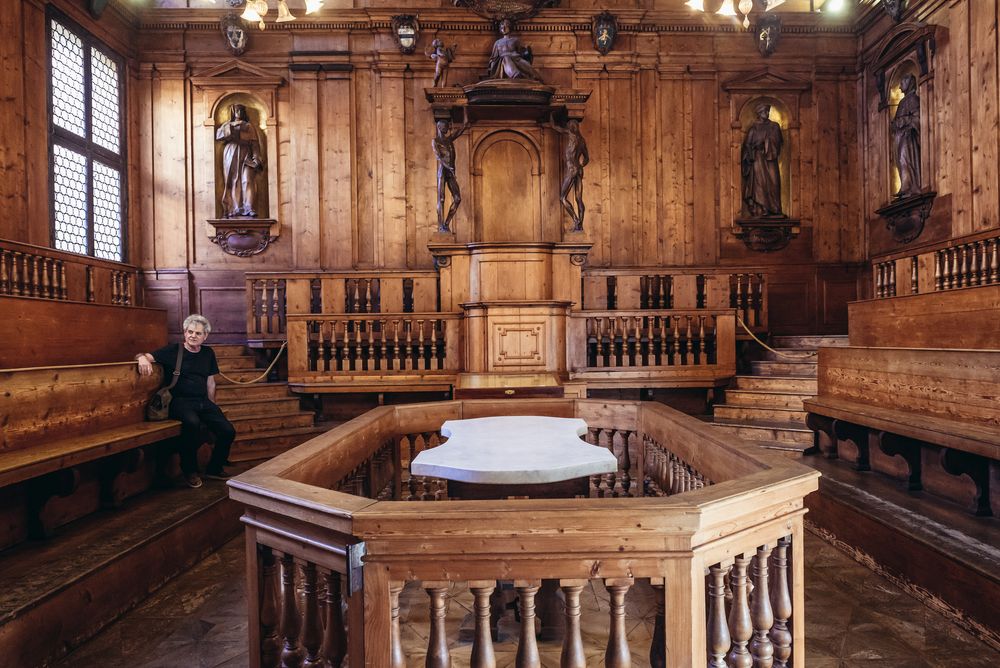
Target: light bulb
<point>313,6</point>
<point>697,5</point>
<point>726,9</point>
<point>745,6</point>
<point>284,16</point>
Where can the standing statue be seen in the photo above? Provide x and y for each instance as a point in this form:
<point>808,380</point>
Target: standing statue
<point>509,60</point>
<point>759,166</point>
<point>575,158</point>
<point>444,150</point>
<point>241,160</point>
<point>905,128</point>
<point>442,57</point>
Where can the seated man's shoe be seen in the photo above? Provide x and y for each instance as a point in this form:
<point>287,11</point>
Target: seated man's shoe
<point>193,480</point>
<point>218,475</point>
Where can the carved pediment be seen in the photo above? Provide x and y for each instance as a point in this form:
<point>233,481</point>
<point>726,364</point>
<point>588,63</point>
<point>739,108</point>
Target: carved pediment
<point>235,74</point>
<point>766,80</point>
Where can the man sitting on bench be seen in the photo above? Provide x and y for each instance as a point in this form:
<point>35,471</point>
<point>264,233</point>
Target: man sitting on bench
<point>193,400</point>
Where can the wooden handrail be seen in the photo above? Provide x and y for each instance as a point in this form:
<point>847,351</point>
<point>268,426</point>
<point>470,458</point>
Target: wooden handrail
<point>751,506</point>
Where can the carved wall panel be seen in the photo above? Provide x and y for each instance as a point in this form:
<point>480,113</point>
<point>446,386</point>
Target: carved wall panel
<point>507,176</point>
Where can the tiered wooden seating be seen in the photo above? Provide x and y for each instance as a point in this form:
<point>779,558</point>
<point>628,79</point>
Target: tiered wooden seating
<point>936,409</point>
<point>72,429</point>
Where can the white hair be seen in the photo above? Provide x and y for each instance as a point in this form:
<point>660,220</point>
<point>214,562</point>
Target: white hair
<point>196,319</point>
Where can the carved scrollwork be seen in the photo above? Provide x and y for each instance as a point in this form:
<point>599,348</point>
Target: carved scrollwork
<point>242,238</point>
<point>766,235</point>
<point>906,216</point>
<point>442,261</point>
<point>578,259</point>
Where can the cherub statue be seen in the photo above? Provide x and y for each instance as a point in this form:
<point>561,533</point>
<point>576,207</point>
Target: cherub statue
<point>442,56</point>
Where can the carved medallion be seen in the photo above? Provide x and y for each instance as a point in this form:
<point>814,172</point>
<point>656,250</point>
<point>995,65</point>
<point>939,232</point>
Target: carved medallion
<point>235,33</point>
<point>767,31</point>
<point>405,29</point>
<point>604,31</point>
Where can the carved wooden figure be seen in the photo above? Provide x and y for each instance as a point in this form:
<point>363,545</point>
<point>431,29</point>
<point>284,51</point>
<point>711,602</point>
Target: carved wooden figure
<point>575,158</point>
<point>759,166</point>
<point>442,56</point>
<point>905,128</point>
<point>444,150</point>
<point>241,161</point>
<point>509,60</point>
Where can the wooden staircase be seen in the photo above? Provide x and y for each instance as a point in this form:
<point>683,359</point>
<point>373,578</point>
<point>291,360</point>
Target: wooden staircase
<point>766,406</point>
<point>267,416</point>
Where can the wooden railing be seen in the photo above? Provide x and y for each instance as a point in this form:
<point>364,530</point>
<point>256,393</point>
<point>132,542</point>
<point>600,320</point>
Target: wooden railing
<point>744,289</point>
<point>966,262</point>
<point>272,296</point>
<point>697,520</point>
<point>328,347</point>
<point>676,346</point>
<point>46,273</point>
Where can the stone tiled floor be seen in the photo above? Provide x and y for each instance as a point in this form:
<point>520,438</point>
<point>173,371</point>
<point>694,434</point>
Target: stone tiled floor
<point>853,618</point>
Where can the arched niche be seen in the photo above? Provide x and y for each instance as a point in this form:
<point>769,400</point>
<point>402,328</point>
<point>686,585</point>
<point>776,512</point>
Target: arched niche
<point>506,172</point>
<point>781,115</point>
<point>257,116</point>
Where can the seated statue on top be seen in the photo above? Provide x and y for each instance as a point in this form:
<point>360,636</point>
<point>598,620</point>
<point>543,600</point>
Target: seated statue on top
<point>509,60</point>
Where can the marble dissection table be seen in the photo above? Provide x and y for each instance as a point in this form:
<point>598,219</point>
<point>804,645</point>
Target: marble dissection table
<point>520,455</point>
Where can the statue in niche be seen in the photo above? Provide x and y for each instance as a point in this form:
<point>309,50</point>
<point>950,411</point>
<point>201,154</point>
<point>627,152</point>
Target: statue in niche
<point>241,161</point>
<point>442,56</point>
<point>905,128</point>
<point>575,158</point>
<point>509,60</point>
<point>444,150</point>
<point>759,166</point>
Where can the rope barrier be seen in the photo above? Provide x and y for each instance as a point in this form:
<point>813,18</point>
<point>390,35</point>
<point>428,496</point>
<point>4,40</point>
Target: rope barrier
<point>797,356</point>
<point>263,375</point>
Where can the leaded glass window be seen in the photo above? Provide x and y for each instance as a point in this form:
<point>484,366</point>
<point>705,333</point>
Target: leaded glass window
<point>87,142</point>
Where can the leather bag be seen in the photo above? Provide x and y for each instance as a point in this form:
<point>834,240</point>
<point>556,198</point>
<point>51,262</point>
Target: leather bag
<point>158,407</point>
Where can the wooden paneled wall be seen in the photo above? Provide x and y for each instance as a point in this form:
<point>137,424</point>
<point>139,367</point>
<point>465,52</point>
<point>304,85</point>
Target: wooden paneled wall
<point>960,110</point>
<point>351,170</point>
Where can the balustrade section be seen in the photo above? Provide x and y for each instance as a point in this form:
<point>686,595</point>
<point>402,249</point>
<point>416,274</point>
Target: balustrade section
<point>329,347</point>
<point>696,288</point>
<point>273,296</point>
<point>352,567</point>
<point>45,273</point>
<point>967,262</point>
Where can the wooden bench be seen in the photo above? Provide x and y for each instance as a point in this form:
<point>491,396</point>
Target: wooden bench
<point>936,410</point>
<point>69,428</point>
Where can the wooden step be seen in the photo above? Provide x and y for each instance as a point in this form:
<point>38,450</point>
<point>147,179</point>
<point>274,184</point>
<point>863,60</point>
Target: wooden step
<point>228,349</point>
<point>808,342</point>
<point>241,375</point>
<point>60,592</point>
<point>255,424</point>
<point>790,355</point>
<point>795,369</point>
<point>268,406</point>
<point>230,391</point>
<point>767,431</point>
<point>766,399</point>
<point>228,364</point>
<point>758,414</point>
<point>262,445</point>
<point>777,384</point>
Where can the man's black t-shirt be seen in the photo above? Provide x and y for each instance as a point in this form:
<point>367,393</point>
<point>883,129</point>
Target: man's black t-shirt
<point>195,370</point>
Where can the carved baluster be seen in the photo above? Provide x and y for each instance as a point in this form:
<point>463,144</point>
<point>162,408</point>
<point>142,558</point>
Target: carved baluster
<point>914,283</point>
<point>397,658</point>
<point>312,632</point>
<point>437,641</point>
<point>592,357</point>
<point>36,285</point>
<point>4,274</point>
<point>434,344</point>
<point>781,637</point>
<point>402,348</point>
<point>420,361</point>
<point>391,359</point>
<point>334,636</point>
<point>892,278</point>
<point>275,310</point>
<point>974,276</point>
<point>675,344</point>
<point>758,301</point>
<point>966,265</point>
<point>63,290</point>
<point>688,343</point>
<point>658,644</point>
<point>740,625</point>
<point>701,340</point>
<point>760,608</point>
<point>938,271</point>
<point>482,642</point>
<point>572,647</point>
<point>527,647</point>
<point>617,654</point>
<point>369,295</point>
<point>291,655</point>
<point>627,489</point>
<point>664,324</point>
<point>995,261</point>
<point>951,270</point>
<point>880,280</point>
<point>718,629</point>
<point>611,341</point>
<point>91,295</point>
<point>46,286</point>
<point>270,644</point>
<point>15,274</point>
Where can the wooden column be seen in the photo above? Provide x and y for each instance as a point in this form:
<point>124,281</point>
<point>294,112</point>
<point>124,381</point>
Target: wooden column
<point>168,178</point>
<point>305,141</point>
